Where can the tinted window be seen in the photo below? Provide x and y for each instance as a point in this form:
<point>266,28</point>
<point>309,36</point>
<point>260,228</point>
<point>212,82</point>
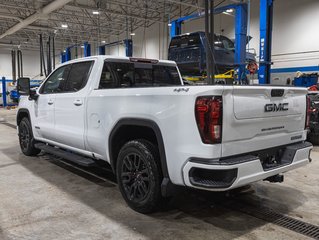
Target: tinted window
<point>55,83</point>
<point>165,75</point>
<point>228,44</point>
<point>124,72</point>
<point>175,42</point>
<point>193,40</point>
<point>78,76</point>
<point>145,74</point>
<point>107,80</point>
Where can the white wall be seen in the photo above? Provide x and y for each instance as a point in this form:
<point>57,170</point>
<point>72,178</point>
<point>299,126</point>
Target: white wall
<point>31,64</point>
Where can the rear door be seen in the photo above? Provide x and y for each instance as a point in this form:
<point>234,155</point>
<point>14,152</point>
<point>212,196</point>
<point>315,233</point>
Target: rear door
<point>70,107</point>
<point>260,117</point>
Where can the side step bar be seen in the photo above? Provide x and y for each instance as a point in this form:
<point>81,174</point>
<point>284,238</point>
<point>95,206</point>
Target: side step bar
<point>72,157</point>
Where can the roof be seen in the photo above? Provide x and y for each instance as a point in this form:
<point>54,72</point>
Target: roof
<point>114,57</point>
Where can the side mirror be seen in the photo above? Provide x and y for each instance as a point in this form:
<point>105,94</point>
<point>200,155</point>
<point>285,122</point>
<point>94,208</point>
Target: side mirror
<point>24,89</point>
<point>23,86</point>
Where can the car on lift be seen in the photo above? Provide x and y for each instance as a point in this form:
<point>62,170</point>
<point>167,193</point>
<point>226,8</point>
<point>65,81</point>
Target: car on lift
<point>189,52</point>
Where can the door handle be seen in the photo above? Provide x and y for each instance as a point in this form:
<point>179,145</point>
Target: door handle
<point>50,102</point>
<point>78,102</point>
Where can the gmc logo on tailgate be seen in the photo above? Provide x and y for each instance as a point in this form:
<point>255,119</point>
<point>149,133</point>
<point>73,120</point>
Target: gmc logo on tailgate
<point>273,107</point>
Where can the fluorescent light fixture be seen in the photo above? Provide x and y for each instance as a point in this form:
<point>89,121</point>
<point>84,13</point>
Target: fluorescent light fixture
<point>103,41</point>
<point>95,12</point>
<point>64,25</point>
<point>132,34</point>
<point>229,10</point>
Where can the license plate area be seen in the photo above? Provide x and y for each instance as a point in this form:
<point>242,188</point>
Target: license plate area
<point>276,157</point>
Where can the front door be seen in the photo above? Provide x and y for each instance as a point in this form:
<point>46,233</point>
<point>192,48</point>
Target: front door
<point>45,104</point>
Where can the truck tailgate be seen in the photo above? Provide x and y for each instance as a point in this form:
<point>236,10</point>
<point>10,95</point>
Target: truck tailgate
<point>260,117</point>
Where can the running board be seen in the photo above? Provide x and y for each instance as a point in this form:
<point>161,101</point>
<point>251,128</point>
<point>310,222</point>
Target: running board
<point>72,157</point>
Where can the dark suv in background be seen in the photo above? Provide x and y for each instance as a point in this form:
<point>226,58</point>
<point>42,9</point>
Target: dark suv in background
<point>189,52</point>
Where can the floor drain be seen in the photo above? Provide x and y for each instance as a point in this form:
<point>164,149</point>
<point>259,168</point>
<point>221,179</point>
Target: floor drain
<point>279,219</point>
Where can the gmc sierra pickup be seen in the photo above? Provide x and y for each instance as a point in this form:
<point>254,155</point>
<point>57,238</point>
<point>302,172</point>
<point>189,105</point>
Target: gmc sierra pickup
<point>155,132</point>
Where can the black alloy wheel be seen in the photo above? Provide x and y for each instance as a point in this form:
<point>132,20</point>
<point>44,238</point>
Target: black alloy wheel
<point>26,139</point>
<point>139,175</point>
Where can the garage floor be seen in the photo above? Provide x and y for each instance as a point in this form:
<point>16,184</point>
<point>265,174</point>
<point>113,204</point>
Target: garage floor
<point>44,198</point>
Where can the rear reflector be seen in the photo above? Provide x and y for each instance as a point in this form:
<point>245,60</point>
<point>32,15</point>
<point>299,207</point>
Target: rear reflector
<point>208,113</point>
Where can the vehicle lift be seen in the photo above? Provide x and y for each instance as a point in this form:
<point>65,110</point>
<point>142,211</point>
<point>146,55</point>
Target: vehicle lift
<point>241,21</point>
<point>66,55</point>
<point>128,43</point>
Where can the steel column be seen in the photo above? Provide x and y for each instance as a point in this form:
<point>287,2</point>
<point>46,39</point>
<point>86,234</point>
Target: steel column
<point>128,47</point>
<point>102,50</point>
<point>266,18</point>
<point>4,92</point>
<point>87,49</point>
<point>67,54</point>
<point>241,20</point>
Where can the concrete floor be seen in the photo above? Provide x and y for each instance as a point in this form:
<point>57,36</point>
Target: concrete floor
<point>42,198</point>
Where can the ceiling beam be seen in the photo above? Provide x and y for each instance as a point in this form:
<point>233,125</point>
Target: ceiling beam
<point>57,4</point>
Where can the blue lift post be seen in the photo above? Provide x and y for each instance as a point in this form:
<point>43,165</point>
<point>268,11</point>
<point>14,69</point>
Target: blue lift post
<point>66,55</point>
<point>266,18</point>
<point>241,21</point>
<point>128,47</point>
<point>87,49</point>
<point>4,92</point>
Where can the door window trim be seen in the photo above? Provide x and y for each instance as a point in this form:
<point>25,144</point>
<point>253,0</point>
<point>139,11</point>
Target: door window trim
<point>70,66</point>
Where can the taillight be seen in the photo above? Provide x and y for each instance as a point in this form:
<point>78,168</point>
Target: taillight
<point>308,112</point>
<point>209,114</point>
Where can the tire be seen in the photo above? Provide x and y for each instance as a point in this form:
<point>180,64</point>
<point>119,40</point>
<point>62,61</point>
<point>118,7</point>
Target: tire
<point>26,139</point>
<point>139,175</point>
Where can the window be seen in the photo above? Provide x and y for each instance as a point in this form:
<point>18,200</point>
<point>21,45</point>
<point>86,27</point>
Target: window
<point>107,80</point>
<point>56,81</point>
<point>124,72</point>
<point>165,75</point>
<point>138,75</point>
<point>228,44</point>
<point>78,76</point>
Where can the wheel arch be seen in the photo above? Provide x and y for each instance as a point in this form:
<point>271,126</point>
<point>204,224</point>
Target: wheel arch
<point>137,123</point>
<point>22,112</point>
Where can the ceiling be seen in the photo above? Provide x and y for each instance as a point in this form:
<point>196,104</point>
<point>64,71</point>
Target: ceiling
<point>21,21</point>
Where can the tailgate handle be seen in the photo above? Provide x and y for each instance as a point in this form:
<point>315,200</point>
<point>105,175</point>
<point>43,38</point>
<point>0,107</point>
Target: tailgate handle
<point>277,92</point>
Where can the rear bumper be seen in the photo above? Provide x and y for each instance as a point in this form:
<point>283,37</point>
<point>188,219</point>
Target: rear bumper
<point>222,175</point>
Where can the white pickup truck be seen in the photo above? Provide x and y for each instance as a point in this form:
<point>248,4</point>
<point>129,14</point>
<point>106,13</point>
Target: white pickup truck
<point>156,132</point>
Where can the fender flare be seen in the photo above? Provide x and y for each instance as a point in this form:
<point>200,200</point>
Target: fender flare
<point>141,123</point>
<point>23,110</point>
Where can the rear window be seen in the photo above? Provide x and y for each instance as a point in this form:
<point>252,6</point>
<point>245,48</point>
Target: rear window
<point>126,75</point>
<point>185,41</point>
